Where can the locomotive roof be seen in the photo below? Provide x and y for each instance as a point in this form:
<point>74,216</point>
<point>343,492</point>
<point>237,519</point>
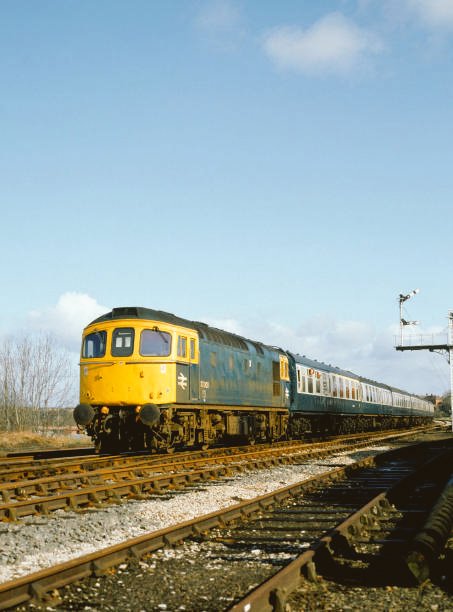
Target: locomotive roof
<point>227,338</point>
<point>206,331</point>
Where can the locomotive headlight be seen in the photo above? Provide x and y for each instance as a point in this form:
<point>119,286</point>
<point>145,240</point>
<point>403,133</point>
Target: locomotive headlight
<point>105,410</point>
<point>138,409</point>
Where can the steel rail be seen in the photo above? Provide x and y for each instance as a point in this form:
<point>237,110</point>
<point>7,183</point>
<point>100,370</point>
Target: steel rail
<point>97,488</point>
<point>11,467</point>
<point>39,486</point>
<point>272,594</point>
<point>53,468</point>
<point>39,584</point>
<point>36,585</point>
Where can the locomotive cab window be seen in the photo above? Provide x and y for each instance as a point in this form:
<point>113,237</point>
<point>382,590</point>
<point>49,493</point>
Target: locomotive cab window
<point>155,343</point>
<point>94,345</point>
<point>122,342</point>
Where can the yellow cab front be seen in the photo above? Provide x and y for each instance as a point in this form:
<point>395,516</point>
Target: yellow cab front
<point>129,363</point>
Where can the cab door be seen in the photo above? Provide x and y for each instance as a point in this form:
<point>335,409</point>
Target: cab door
<point>182,371</point>
<point>194,370</point>
<point>187,369</point>
<point>281,381</point>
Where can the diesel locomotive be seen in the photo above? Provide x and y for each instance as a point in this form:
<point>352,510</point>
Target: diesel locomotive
<point>152,380</point>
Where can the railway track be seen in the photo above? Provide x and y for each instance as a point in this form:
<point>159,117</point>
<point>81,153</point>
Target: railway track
<point>306,527</point>
<point>73,451</point>
<point>44,487</point>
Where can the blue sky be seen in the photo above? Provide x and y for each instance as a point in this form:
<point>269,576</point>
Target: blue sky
<point>280,169</point>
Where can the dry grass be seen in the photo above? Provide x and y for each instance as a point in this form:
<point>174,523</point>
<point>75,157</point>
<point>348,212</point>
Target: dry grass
<point>27,440</point>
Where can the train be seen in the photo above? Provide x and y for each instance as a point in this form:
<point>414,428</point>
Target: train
<point>153,381</point>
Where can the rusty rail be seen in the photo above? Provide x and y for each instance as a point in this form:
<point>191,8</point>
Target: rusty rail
<point>36,585</point>
<point>83,489</point>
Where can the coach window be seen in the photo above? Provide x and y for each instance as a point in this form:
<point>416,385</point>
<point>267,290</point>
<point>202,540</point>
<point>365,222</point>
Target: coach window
<point>155,343</point>
<point>182,346</point>
<point>122,342</point>
<point>94,345</point>
<point>324,384</point>
<point>334,386</point>
<point>318,383</point>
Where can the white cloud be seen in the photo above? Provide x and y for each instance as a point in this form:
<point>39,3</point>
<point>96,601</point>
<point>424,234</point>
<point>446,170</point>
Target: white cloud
<point>334,44</point>
<point>68,317</point>
<point>433,13</point>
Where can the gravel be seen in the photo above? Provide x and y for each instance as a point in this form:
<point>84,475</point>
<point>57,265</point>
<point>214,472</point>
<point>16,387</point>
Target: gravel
<point>39,542</point>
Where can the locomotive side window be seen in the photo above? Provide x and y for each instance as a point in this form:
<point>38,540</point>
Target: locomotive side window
<point>94,345</point>
<point>182,346</point>
<point>192,349</point>
<point>122,342</point>
<point>155,343</point>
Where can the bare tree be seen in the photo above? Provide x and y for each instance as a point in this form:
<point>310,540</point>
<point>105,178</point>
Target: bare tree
<point>35,373</point>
